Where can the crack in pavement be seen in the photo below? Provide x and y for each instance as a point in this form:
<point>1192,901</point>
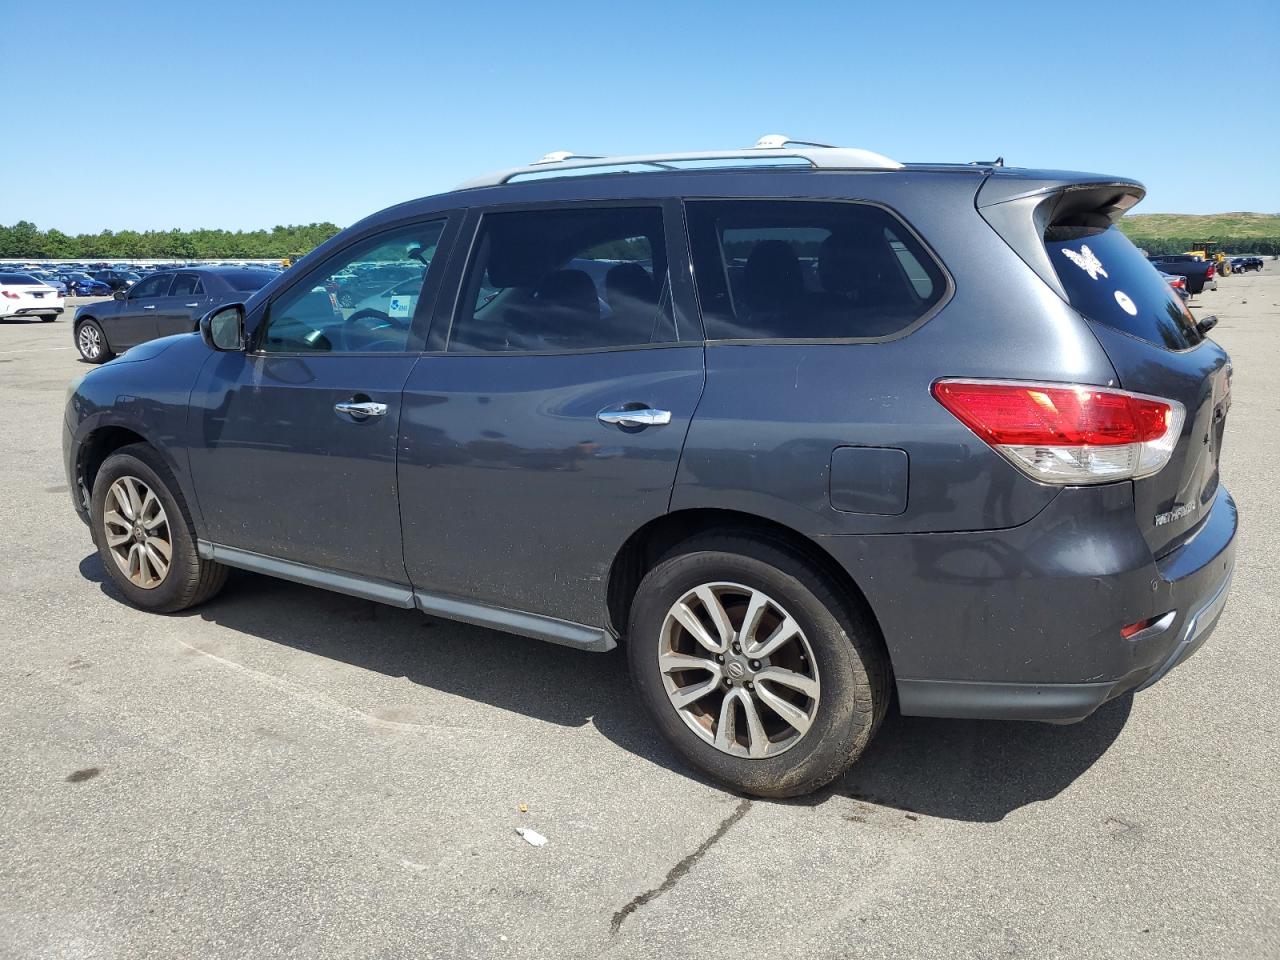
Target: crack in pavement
<point>680,869</point>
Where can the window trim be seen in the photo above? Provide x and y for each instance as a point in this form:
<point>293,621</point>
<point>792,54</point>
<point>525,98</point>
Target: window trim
<point>432,285</point>
<point>687,319</point>
<point>947,294</point>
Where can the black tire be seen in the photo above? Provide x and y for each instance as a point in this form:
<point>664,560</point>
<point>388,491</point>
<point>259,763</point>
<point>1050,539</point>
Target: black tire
<point>190,580</point>
<point>105,354</point>
<point>48,319</point>
<point>847,652</point>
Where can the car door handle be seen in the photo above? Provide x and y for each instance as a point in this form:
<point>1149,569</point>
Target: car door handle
<point>196,304</point>
<point>361,409</point>
<point>150,306</point>
<point>634,417</point>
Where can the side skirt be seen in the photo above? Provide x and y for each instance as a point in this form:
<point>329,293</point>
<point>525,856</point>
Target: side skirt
<point>535,625</point>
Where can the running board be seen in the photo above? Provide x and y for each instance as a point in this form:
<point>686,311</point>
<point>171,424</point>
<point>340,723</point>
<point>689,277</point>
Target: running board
<point>539,627</point>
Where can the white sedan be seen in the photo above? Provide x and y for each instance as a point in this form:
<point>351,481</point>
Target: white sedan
<point>22,295</point>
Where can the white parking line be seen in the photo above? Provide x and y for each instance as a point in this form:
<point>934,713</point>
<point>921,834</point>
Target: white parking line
<point>37,349</point>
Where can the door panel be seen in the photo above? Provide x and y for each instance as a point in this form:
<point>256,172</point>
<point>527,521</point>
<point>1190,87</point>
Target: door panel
<point>514,493</point>
<point>135,321</point>
<point>180,310</point>
<point>278,471</point>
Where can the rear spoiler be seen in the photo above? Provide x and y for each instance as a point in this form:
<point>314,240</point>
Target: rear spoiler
<point>1022,210</point>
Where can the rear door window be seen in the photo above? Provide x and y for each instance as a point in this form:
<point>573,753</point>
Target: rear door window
<point>799,269</point>
<point>186,285</point>
<point>1109,281</point>
<point>561,280</point>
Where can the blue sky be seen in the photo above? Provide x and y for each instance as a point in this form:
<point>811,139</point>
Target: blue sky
<point>244,115</point>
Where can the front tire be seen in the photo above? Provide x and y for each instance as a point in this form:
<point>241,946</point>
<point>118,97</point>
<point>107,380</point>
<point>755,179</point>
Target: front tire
<point>92,342</point>
<point>144,534</point>
<point>755,666</point>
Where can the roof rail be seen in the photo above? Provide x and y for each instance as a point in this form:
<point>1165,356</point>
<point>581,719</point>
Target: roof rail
<point>820,156</point>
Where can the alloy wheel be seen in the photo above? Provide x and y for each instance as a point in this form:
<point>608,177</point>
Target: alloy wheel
<point>137,532</point>
<point>739,670</point>
<point>90,341</point>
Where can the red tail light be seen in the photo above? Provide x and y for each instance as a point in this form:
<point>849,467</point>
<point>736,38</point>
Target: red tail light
<point>1209,275</point>
<point>10,294</point>
<point>1067,433</point>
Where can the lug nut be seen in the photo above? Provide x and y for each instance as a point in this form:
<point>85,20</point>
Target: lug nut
<point>750,685</point>
<point>755,664</point>
<point>719,658</point>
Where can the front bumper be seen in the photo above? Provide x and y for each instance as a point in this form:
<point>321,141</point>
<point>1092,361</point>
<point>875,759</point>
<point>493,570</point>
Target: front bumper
<point>1024,623</point>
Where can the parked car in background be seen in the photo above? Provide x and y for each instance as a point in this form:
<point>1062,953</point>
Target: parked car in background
<point>1178,283</point>
<point>167,302</point>
<point>54,281</point>
<point>1198,271</point>
<point>1246,264</point>
<point>22,295</point>
<point>83,285</point>
<point>115,279</point>
<point>803,440</point>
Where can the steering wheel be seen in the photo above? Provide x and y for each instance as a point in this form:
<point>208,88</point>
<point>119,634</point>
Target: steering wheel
<point>360,332</point>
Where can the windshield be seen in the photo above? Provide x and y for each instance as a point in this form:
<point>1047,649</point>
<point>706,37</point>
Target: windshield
<point>1109,281</point>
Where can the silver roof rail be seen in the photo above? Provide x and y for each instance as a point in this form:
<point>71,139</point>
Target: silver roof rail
<point>820,156</point>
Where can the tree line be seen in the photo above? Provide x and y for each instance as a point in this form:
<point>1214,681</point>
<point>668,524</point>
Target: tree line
<point>24,240</point>
<point>1156,245</point>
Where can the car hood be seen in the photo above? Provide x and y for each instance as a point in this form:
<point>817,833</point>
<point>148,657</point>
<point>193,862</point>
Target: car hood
<point>152,348</point>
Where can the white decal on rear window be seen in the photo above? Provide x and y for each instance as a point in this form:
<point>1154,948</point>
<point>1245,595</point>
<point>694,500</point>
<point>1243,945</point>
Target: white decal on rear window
<point>1126,303</point>
<point>1086,261</point>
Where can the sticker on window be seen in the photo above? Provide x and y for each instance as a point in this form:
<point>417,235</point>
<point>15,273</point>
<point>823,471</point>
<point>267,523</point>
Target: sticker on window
<point>1086,261</point>
<point>400,307</point>
<point>1126,303</point>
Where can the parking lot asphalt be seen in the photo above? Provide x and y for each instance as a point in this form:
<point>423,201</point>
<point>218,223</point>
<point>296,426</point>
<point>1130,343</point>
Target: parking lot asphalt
<point>291,773</point>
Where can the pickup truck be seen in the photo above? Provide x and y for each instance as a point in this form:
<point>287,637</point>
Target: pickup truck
<point>1198,271</point>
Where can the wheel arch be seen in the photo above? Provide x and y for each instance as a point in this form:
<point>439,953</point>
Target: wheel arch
<point>649,543</point>
<point>100,443</point>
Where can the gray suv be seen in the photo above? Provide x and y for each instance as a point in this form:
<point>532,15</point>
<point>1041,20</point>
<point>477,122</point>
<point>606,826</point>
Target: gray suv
<point>799,427</point>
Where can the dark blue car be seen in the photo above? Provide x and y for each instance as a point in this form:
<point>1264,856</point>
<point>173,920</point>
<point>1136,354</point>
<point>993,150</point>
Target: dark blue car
<point>166,302</point>
<point>804,429</point>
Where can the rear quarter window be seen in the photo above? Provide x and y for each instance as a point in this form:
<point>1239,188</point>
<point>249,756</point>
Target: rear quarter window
<point>808,270</point>
<point>1109,281</point>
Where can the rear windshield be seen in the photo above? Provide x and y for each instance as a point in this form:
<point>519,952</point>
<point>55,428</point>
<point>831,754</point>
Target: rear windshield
<point>248,279</point>
<point>1109,281</point>
<point>18,278</point>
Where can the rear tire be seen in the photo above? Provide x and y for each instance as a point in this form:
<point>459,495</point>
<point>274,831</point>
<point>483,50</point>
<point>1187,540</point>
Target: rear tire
<point>48,319</point>
<point>833,674</point>
<point>137,513</point>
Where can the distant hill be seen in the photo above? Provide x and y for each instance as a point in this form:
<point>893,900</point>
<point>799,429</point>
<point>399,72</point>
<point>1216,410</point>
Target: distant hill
<point>1175,232</point>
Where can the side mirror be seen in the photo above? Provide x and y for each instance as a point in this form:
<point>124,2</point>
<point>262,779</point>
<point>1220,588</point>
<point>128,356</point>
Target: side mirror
<point>223,329</point>
<point>119,294</point>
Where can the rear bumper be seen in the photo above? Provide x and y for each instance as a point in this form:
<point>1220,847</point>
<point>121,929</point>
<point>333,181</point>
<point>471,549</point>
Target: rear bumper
<point>1025,623</point>
<point>41,311</point>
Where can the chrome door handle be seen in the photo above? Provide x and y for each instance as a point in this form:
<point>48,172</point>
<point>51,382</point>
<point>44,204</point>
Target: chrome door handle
<point>150,306</point>
<point>360,410</point>
<point>192,304</point>
<point>643,417</point>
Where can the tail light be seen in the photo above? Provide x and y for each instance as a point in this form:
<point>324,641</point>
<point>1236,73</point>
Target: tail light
<point>9,294</point>
<point>1209,274</point>
<point>1067,433</point>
